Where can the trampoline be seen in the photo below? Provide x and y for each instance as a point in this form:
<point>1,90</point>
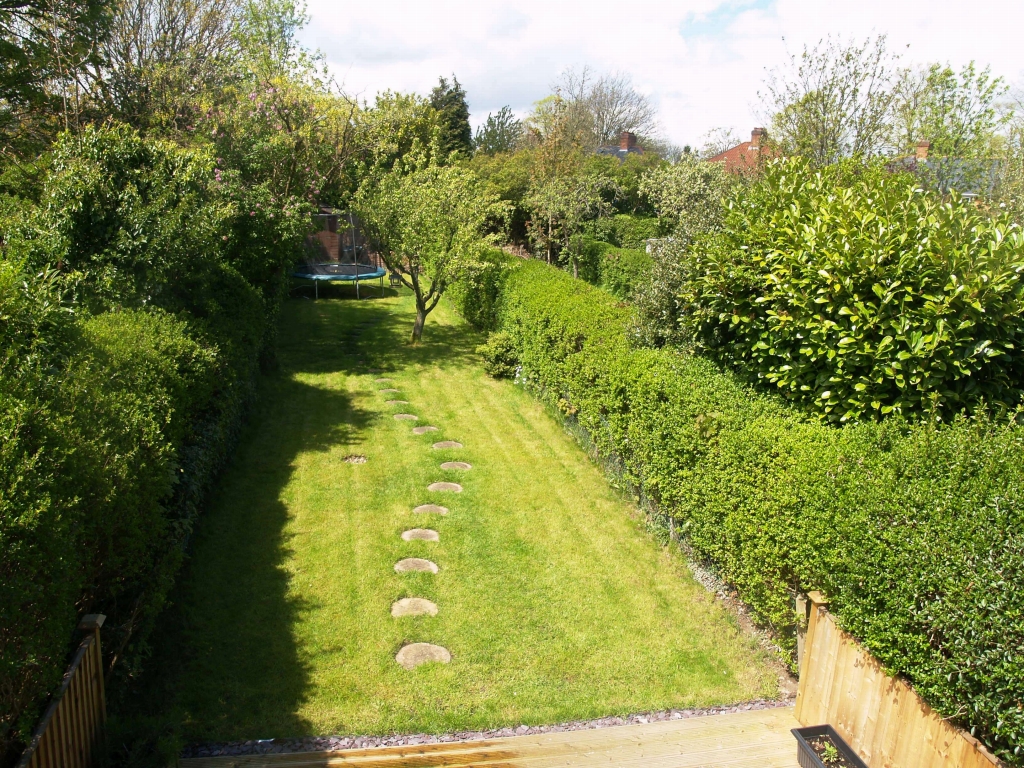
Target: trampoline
<point>333,272</point>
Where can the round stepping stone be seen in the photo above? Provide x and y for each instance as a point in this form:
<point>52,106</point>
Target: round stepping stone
<point>396,402</point>
<point>382,381</point>
<point>447,444</point>
<point>413,606</point>
<point>423,430</point>
<point>405,417</point>
<point>388,391</point>
<point>453,487</point>
<point>415,564</point>
<point>421,534</point>
<point>354,458</point>
<point>430,509</point>
<point>456,465</point>
<point>414,654</point>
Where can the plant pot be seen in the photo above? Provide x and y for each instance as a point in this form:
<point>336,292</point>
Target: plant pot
<point>808,758</point>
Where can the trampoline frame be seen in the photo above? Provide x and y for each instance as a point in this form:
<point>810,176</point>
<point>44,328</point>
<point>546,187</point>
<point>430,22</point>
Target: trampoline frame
<point>373,273</point>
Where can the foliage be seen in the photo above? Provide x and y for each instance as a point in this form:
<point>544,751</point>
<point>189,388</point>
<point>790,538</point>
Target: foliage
<point>600,107</point>
<point>834,100</point>
<point>687,196</point>
<point>623,270</point>
<point>449,101</point>
<point>397,126</point>
<point>499,355</point>
<point>474,294</point>
<point>130,342</point>
<point>499,133</point>
<point>912,531</point>
<point>427,225</point>
<point>860,295</point>
<point>561,209</point>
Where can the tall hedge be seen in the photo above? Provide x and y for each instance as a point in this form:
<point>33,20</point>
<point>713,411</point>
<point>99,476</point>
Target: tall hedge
<point>132,318</point>
<point>913,531</point>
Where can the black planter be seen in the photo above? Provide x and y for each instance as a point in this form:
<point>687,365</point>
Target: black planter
<point>808,758</point>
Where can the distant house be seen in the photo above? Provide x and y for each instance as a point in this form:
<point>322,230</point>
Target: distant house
<point>743,157</point>
<point>627,146</point>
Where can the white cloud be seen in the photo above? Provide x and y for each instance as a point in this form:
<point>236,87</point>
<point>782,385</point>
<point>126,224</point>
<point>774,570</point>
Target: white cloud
<point>702,61</point>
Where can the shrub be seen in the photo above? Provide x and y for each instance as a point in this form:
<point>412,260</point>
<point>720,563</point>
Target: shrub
<point>474,294</point>
<point>623,270</point>
<point>913,531</point>
<point>627,231</point>
<point>859,295</point>
<point>499,355</point>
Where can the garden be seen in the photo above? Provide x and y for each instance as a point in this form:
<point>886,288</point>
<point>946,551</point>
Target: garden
<point>479,499</point>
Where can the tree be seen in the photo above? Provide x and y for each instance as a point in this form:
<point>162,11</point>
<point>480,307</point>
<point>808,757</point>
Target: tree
<point>428,226</point>
<point>499,133</point>
<point>833,101</point>
<point>561,207</point>
<point>45,47</point>
<point>600,108</point>
<point>449,99</point>
<point>688,195</point>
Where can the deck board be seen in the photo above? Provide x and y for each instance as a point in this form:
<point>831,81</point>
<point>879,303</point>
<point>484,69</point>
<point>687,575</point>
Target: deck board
<point>754,739</point>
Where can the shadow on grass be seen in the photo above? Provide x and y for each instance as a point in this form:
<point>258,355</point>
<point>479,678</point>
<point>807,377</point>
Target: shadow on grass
<point>225,661</point>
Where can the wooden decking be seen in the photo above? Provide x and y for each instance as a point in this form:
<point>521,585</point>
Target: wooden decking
<point>755,739</point>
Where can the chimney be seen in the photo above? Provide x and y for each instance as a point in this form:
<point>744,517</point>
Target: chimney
<point>755,137</point>
<point>627,141</point>
<point>922,149</point>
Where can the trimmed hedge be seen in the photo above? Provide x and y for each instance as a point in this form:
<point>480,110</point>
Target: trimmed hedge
<point>624,270</point>
<point>913,531</point>
<point>475,295</point>
<point>130,340</point>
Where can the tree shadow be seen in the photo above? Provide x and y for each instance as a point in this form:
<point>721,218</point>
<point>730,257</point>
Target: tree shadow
<point>226,663</point>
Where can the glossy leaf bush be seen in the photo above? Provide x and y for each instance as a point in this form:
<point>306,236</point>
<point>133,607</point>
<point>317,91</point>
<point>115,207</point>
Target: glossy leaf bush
<point>860,295</point>
<point>915,531</point>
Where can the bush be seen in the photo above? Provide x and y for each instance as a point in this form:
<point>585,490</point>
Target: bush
<point>859,295</point>
<point>475,294</point>
<point>623,270</point>
<point>913,531</point>
<point>499,355</point>
<point>626,231</point>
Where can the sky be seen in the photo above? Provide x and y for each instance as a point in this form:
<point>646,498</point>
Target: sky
<point>701,62</point>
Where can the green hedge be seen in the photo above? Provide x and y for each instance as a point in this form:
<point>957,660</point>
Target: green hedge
<point>627,231</point>
<point>858,294</point>
<point>475,294</point>
<point>624,270</point>
<point>913,531</point>
<point>130,340</point>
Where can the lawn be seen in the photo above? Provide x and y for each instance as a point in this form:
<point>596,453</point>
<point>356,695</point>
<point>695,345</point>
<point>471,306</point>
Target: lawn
<point>553,601</point>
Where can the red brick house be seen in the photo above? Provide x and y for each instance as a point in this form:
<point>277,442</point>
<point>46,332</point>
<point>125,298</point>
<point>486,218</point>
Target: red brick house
<point>743,157</point>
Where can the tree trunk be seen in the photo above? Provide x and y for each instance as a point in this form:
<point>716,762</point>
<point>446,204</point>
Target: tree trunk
<point>421,318</point>
<point>575,268</point>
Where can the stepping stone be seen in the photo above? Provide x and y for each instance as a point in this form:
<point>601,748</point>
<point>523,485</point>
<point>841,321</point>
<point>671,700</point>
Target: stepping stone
<point>423,430</point>
<point>387,391</point>
<point>354,458</point>
<point>430,509</point>
<point>414,654</point>
<point>382,381</point>
<point>453,487</point>
<point>447,444</point>
<point>405,417</point>
<point>415,564</point>
<point>413,606</point>
<point>375,370</point>
<point>456,465</point>
<point>422,534</point>
<point>396,402</point>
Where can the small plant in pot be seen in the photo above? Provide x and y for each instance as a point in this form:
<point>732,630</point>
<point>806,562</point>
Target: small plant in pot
<point>819,746</point>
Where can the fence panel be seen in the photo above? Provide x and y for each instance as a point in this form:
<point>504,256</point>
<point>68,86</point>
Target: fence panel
<point>881,717</point>
<point>69,733</point>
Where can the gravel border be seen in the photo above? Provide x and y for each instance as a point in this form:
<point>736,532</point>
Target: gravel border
<point>339,743</point>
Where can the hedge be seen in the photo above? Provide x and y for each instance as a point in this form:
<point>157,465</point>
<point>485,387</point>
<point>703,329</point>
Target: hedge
<point>913,531</point>
<point>623,270</point>
<point>130,340</point>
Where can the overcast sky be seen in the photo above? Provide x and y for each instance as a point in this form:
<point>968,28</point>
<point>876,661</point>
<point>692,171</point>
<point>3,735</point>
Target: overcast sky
<point>701,61</point>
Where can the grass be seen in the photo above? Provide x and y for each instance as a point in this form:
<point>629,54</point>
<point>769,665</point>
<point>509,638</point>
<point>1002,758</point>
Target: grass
<point>554,602</point>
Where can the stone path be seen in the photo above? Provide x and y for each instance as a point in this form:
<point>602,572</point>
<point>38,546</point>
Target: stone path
<point>413,655</point>
<point>453,487</point>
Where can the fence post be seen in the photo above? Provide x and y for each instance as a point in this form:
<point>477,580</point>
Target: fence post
<point>92,622</point>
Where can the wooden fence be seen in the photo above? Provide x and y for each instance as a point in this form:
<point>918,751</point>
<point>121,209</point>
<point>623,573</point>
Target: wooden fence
<point>69,733</point>
<point>881,717</point>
